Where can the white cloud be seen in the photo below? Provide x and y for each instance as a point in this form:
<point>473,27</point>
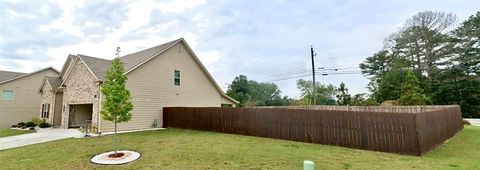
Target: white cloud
<point>24,51</point>
<point>65,22</point>
<point>177,6</point>
<point>14,14</point>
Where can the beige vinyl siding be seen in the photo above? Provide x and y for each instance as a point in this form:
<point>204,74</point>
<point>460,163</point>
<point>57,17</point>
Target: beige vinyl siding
<point>224,100</point>
<point>26,103</point>
<point>152,88</point>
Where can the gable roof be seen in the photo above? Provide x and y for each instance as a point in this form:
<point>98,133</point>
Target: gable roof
<point>131,61</point>
<point>71,58</point>
<point>7,75</point>
<point>25,75</point>
<point>98,66</point>
<point>54,82</point>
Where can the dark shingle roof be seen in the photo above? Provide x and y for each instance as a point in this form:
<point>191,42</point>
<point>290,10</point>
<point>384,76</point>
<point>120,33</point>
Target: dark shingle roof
<point>7,75</point>
<point>55,82</point>
<point>100,66</point>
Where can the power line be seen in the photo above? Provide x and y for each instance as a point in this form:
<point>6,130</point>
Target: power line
<point>309,74</point>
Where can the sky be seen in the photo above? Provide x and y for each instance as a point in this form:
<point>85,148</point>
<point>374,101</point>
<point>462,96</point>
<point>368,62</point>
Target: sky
<point>268,41</point>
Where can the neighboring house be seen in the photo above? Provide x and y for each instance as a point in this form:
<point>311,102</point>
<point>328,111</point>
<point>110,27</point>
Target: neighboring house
<point>19,97</point>
<point>166,75</point>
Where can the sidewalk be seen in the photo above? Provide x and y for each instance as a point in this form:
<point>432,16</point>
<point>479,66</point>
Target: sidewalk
<point>475,122</point>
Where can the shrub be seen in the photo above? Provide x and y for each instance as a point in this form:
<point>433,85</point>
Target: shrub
<point>29,124</point>
<point>44,125</point>
<point>37,121</point>
<point>14,126</point>
<point>21,125</point>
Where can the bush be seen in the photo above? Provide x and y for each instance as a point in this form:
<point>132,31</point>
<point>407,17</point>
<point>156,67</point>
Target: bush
<point>37,121</point>
<point>14,126</point>
<point>21,125</point>
<point>29,124</point>
<point>44,125</point>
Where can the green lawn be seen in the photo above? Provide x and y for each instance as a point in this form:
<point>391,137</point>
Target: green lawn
<point>185,149</point>
<point>12,132</point>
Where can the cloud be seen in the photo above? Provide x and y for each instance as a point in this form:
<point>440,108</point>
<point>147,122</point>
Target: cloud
<point>265,40</point>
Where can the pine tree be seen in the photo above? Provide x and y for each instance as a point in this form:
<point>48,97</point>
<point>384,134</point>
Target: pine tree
<point>412,93</point>
<point>343,98</point>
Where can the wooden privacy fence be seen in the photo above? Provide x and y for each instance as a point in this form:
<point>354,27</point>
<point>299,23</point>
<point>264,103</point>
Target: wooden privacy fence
<point>404,132</point>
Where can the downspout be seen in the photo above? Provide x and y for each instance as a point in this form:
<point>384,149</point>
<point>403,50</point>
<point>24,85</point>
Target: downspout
<point>100,83</point>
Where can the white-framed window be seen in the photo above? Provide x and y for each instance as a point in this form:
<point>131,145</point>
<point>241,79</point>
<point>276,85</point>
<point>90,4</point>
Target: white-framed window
<point>176,77</point>
<point>45,110</point>
<point>8,95</point>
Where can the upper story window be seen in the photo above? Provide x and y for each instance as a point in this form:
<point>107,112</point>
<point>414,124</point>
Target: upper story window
<point>176,78</point>
<point>7,95</point>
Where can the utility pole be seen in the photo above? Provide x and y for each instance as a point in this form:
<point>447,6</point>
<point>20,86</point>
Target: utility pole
<point>313,76</point>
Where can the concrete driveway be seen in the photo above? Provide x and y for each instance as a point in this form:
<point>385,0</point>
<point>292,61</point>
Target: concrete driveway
<point>475,122</point>
<point>43,135</point>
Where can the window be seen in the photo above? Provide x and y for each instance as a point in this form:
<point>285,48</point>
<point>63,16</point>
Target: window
<point>45,110</point>
<point>7,95</point>
<point>176,78</point>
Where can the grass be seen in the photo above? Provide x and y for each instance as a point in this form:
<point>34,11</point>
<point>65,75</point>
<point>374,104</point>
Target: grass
<point>186,149</point>
<point>13,132</point>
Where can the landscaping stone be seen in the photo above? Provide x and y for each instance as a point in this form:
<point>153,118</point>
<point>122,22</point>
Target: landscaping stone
<point>104,159</point>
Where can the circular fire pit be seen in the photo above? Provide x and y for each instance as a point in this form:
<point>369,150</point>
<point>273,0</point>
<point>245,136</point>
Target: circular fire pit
<point>110,158</point>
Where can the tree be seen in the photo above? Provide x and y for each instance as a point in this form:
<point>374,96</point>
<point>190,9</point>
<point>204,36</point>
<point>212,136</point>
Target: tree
<point>343,98</point>
<point>390,86</point>
<point>412,93</point>
<point>460,83</point>
<point>251,93</point>
<point>362,100</point>
<point>467,45</point>
<point>424,42</point>
<point>422,45</point>
<point>116,105</point>
<point>325,93</point>
<point>239,89</point>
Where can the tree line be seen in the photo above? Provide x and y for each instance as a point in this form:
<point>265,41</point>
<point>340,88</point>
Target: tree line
<point>427,61</point>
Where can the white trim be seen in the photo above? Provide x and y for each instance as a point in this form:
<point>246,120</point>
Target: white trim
<point>65,68</point>
<point>153,56</point>
<point>204,69</point>
<point>13,95</point>
<point>73,66</point>
<point>68,72</point>
<point>79,56</point>
<point>195,58</point>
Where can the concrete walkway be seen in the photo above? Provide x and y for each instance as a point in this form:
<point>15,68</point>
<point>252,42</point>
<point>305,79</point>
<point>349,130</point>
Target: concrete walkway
<point>475,122</point>
<point>43,135</point>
